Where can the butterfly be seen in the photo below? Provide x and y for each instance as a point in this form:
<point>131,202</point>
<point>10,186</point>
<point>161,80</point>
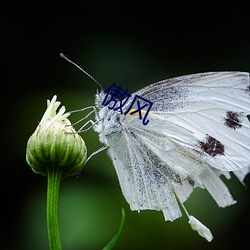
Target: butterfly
<point>198,130</point>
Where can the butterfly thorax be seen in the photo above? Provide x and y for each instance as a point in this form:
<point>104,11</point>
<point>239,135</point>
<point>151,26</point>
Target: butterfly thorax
<point>107,120</point>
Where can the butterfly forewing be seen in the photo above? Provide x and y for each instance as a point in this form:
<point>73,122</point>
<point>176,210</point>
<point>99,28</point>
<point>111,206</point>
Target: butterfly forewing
<point>214,108</point>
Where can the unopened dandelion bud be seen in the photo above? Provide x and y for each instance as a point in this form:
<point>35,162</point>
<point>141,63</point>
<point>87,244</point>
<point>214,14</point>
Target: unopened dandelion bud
<point>55,143</point>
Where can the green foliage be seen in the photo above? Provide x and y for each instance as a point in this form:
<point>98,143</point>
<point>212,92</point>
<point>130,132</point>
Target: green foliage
<point>117,234</point>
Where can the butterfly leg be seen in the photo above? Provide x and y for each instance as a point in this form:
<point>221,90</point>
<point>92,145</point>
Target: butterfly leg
<point>81,129</point>
<point>96,152</point>
<point>91,155</point>
<point>86,116</point>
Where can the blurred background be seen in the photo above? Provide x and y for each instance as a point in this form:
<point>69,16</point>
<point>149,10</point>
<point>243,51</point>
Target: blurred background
<point>132,44</point>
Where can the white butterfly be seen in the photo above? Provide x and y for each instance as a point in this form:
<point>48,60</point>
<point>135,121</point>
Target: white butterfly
<point>198,130</point>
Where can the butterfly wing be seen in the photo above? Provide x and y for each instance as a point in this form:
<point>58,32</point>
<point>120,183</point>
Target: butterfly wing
<point>142,187</point>
<point>214,107</point>
<point>197,131</point>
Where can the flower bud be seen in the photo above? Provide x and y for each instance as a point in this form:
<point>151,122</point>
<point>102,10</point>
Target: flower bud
<point>55,144</point>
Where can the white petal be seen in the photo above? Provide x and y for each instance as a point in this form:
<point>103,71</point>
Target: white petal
<point>200,228</point>
<point>51,114</point>
<point>50,110</point>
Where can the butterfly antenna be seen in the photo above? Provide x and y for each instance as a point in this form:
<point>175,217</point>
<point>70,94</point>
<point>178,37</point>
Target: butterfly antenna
<point>68,60</point>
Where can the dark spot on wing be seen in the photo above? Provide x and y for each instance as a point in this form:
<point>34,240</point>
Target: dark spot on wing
<point>232,119</point>
<point>212,146</point>
<point>191,181</point>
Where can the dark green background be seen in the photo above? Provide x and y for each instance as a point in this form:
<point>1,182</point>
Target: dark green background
<point>132,44</point>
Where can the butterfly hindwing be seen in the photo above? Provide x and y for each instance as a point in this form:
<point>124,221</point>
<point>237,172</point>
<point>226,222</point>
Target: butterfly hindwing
<point>142,184</point>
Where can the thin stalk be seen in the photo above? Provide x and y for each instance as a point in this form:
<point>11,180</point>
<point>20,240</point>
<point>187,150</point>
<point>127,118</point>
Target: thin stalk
<point>54,177</point>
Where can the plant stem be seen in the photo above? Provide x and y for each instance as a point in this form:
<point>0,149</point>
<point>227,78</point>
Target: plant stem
<point>54,177</point>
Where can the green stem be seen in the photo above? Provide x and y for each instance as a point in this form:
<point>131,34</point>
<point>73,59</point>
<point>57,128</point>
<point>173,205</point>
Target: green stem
<point>54,177</point>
